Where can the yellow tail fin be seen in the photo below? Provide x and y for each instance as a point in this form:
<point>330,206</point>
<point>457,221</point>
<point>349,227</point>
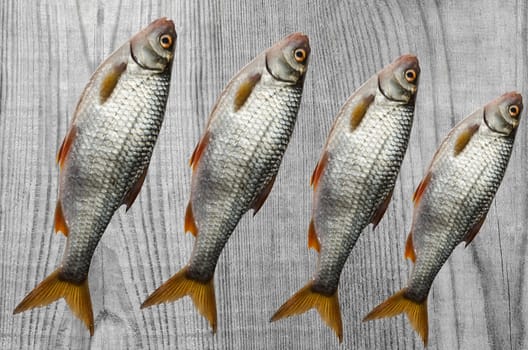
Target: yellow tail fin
<point>180,285</point>
<point>77,297</point>
<point>305,299</point>
<point>399,303</point>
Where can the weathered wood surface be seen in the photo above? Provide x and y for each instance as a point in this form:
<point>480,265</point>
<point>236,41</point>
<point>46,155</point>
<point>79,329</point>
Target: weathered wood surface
<point>469,53</point>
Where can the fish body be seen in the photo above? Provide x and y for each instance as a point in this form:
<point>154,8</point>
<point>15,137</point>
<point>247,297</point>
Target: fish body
<point>354,179</point>
<point>104,158</point>
<point>236,161</point>
<point>453,200</point>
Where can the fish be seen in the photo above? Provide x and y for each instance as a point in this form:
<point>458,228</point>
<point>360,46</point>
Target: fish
<point>452,201</point>
<point>354,179</point>
<point>235,163</point>
<point>104,158</point>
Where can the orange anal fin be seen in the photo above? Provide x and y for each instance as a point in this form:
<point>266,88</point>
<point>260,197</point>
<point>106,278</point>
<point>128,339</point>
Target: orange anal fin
<point>60,222</point>
<point>199,150</point>
<point>399,303</point>
<point>110,81</point>
<point>305,299</point>
<point>258,202</point>
<point>66,145</point>
<point>409,248</point>
<point>77,297</point>
<point>463,138</point>
<point>359,111</point>
<point>313,241</point>
<point>318,171</point>
<point>134,191</point>
<point>244,91</point>
<point>421,189</point>
<point>190,224</point>
<point>180,285</point>
<point>380,211</point>
<point>472,233</point>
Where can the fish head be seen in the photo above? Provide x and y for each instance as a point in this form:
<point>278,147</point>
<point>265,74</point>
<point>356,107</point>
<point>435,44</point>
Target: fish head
<point>502,115</point>
<point>399,80</point>
<point>287,60</point>
<point>153,47</point>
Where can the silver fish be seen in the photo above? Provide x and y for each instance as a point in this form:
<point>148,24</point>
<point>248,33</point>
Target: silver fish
<point>453,199</point>
<point>236,161</point>
<point>104,157</point>
<point>354,179</point>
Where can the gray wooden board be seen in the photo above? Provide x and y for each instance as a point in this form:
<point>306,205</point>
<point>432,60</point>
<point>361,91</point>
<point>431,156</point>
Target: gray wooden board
<point>470,52</point>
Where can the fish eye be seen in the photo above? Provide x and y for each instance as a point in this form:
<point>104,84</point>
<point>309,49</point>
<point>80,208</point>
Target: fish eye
<point>410,75</point>
<point>300,55</point>
<point>514,110</point>
<point>165,41</point>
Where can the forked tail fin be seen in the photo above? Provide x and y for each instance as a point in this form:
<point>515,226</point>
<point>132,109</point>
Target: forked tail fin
<point>400,303</point>
<point>305,299</point>
<point>180,285</point>
<point>77,297</point>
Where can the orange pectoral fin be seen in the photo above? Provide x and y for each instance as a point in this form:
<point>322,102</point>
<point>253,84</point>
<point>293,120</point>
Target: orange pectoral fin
<point>134,191</point>
<point>313,241</point>
<point>199,150</point>
<point>472,233</point>
<point>409,249</point>
<point>110,81</point>
<point>261,198</point>
<point>190,224</point>
<point>318,171</point>
<point>421,188</point>
<point>60,222</point>
<point>378,214</point>
<point>244,91</point>
<point>359,111</point>
<point>463,138</point>
<point>66,145</point>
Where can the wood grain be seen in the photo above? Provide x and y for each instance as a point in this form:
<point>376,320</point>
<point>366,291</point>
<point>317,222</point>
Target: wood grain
<point>470,52</point>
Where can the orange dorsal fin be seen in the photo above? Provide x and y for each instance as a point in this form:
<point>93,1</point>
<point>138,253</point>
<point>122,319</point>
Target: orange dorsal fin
<point>409,248</point>
<point>313,240</point>
<point>66,145</point>
<point>244,91</point>
<point>190,224</point>
<point>53,287</point>
<point>180,285</point>
<point>110,81</point>
<point>359,111</point>
<point>258,202</point>
<point>421,188</point>
<point>199,150</point>
<point>60,222</point>
<point>134,191</point>
<point>380,211</point>
<point>463,138</point>
<point>472,233</point>
<point>399,303</point>
<point>306,299</point>
<point>318,171</point>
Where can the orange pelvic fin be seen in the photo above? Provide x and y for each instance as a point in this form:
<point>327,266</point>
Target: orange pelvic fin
<point>318,171</point>
<point>421,188</point>
<point>399,303</point>
<point>409,248</point>
<point>305,299</point>
<point>380,211</point>
<point>77,297</point>
<point>244,91</point>
<point>261,198</point>
<point>60,222</point>
<point>190,224</point>
<point>313,240</point>
<point>66,145</point>
<point>180,285</point>
<point>472,233</point>
<point>199,150</point>
<point>359,111</point>
<point>463,138</point>
<point>134,191</point>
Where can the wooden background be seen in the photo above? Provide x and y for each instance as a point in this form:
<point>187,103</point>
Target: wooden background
<point>470,52</point>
